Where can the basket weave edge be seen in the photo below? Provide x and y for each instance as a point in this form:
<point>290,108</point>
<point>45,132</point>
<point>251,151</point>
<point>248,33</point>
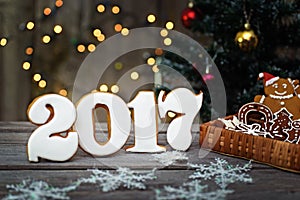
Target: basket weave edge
<point>279,149</point>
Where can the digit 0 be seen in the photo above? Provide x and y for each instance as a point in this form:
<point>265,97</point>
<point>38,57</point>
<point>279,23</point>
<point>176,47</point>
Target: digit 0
<point>119,123</point>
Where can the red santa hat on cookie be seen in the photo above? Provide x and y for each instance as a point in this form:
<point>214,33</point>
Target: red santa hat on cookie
<point>268,78</point>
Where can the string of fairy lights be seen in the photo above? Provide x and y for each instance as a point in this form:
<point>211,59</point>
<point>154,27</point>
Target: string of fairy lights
<point>97,33</point>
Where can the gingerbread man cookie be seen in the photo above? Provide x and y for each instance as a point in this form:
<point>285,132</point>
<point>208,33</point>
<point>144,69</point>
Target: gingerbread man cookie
<point>280,93</point>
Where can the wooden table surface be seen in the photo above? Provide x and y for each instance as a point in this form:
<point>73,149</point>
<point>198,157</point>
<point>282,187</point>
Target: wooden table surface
<point>268,182</point>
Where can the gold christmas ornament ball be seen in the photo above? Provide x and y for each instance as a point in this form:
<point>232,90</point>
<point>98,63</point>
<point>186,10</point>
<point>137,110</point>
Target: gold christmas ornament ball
<point>246,40</point>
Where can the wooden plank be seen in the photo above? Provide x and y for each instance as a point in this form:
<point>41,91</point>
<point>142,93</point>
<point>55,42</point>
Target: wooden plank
<point>14,157</point>
<point>270,184</point>
<point>19,132</point>
<point>24,126</point>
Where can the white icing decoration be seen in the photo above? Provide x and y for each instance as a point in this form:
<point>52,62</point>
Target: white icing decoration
<point>262,99</point>
<point>119,123</point>
<point>252,107</point>
<point>145,123</point>
<point>281,97</point>
<point>281,93</point>
<point>42,142</point>
<point>187,105</point>
<point>253,129</point>
<point>272,80</point>
<point>230,124</point>
<point>59,114</point>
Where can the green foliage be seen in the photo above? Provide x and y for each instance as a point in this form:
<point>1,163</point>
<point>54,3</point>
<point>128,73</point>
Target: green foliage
<point>191,74</point>
<point>277,26</point>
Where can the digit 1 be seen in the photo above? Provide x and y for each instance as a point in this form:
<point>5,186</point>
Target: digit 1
<point>56,114</point>
<point>119,123</point>
<point>145,123</point>
<point>184,102</point>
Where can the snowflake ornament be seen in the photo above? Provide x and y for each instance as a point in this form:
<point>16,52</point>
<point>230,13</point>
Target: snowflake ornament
<point>37,190</point>
<point>191,191</point>
<point>170,157</point>
<point>223,173</point>
<point>123,177</point>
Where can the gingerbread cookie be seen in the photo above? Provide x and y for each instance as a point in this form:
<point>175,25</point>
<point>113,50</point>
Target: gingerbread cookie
<point>254,112</point>
<point>280,93</point>
<point>257,119</point>
<point>281,122</point>
<point>297,87</point>
<point>294,132</point>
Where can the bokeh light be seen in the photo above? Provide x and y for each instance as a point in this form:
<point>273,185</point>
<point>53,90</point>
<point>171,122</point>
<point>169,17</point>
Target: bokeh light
<point>59,3</point>
<point>91,47</point>
<point>167,41</point>
<point>164,33</point>
<point>134,75</point>
<point>101,38</point>
<point>29,51</point>
<point>47,11</point>
<point>155,69</point>
<point>81,48</point>
<point>118,27</point>
<point>63,92</point>
<point>125,31</point>
<point>151,61</point>
<point>114,89</point>
<point>97,32</point>
<point>26,65</point>
<point>151,18</point>
<point>170,25</point>
<point>57,29</point>
<point>42,84</point>
<point>103,88</point>
<point>100,8</point>
<point>37,77</point>
<point>118,65</point>
<point>3,42</point>
<point>46,39</point>
<point>158,51</point>
<point>30,25</point>
<point>115,10</point>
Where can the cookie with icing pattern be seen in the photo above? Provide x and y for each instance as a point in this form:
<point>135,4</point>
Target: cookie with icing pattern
<point>280,93</point>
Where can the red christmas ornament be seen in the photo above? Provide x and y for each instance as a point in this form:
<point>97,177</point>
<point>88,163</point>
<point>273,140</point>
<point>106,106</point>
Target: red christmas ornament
<point>189,15</point>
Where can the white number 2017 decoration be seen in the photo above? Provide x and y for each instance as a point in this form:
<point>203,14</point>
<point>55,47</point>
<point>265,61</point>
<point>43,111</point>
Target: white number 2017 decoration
<point>57,114</point>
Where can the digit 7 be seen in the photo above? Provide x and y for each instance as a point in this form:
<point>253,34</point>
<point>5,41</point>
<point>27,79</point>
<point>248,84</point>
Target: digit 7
<point>187,105</point>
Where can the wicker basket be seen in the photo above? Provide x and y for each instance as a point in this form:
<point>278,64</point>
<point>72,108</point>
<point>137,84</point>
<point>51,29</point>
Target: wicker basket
<point>277,153</point>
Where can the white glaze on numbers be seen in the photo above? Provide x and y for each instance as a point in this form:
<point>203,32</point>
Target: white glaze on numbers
<point>186,104</point>
<point>119,123</point>
<point>145,123</point>
<point>45,142</point>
